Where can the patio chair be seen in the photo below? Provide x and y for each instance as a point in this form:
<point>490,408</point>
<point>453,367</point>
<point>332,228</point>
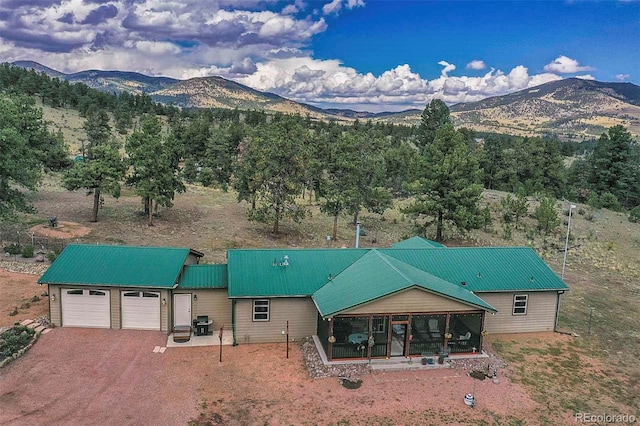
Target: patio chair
<point>463,340</point>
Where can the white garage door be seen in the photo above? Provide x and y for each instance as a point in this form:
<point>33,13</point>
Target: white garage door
<point>85,308</point>
<point>141,310</point>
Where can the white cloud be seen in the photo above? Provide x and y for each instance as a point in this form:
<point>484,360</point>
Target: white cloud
<point>330,83</point>
<point>476,65</point>
<point>622,77</point>
<point>586,77</point>
<point>447,67</point>
<point>565,65</point>
<point>354,3</point>
<point>335,6</point>
<point>242,40</point>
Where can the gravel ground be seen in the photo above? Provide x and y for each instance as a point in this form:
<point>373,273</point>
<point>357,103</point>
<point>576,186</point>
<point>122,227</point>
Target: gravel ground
<point>75,376</point>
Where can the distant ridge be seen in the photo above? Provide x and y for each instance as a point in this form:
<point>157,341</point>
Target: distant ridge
<point>572,108</point>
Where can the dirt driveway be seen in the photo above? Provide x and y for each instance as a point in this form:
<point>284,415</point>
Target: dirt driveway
<point>76,376</point>
<point>90,376</point>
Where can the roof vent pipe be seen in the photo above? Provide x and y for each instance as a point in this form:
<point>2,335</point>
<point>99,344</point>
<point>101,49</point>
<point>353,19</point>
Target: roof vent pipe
<point>357,234</point>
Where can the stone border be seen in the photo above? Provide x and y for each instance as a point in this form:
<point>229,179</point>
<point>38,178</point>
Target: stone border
<point>21,351</point>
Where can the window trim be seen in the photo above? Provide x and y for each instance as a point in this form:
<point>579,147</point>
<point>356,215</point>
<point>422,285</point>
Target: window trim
<point>258,303</point>
<point>520,301</point>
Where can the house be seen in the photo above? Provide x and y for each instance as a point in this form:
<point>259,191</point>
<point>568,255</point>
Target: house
<point>414,298</point>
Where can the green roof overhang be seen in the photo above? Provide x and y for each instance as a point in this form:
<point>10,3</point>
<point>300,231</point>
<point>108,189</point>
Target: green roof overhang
<point>377,275</point>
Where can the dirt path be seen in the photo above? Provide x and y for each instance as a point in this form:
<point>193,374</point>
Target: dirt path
<point>77,376</point>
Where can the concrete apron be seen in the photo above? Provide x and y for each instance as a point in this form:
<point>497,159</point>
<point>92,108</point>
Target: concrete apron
<point>227,340</point>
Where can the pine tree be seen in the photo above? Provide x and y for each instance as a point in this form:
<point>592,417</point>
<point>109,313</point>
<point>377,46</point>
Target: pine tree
<point>447,188</point>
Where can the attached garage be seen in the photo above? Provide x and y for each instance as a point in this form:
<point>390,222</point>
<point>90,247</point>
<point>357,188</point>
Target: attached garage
<point>85,308</point>
<point>115,286</point>
<point>140,310</point>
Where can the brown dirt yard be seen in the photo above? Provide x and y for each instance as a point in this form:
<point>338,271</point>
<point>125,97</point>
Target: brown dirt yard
<point>88,376</point>
<point>17,291</point>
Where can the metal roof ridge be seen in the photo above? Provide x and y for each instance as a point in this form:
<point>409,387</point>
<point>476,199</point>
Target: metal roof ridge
<point>384,257</point>
<point>133,246</point>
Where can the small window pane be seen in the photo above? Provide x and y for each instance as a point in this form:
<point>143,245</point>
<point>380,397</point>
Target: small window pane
<point>75,292</point>
<point>145,294</point>
<point>261,310</point>
<point>132,294</point>
<point>520,302</point>
<point>97,293</point>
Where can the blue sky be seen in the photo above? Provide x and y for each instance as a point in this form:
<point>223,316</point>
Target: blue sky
<point>362,54</point>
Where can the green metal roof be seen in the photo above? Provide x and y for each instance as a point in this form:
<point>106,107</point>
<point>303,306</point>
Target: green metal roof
<point>108,265</point>
<point>204,276</point>
<point>417,243</point>
<point>485,269</point>
<point>376,275</point>
<point>261,273</point>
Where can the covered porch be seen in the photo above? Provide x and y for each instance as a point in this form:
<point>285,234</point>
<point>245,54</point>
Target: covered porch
<point>413,334</point>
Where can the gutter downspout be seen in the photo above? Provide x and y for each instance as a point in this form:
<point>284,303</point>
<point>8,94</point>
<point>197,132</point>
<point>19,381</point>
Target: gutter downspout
<point>233,321</point>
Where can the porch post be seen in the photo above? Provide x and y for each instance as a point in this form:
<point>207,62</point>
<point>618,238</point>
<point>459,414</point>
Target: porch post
<point>330,346</point>
<point>446,332</point>
<point>484,313</point>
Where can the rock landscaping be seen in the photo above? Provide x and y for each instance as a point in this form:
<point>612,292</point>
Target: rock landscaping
<point>317,369</point>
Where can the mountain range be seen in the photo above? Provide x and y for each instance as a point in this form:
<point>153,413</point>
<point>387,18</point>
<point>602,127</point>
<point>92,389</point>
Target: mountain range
<point>570,108</point>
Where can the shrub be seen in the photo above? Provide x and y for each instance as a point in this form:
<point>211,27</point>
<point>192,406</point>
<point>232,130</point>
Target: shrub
<point>610,201</point>
<point>27,251</point>
<point>13,249</point>
<point>52,255</point>
<point>14,339</point>
<point>594,200</point>
<point>634,215</point>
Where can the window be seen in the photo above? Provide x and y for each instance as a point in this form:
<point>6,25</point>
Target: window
<point>75,292</point>
<point>520,304</point>
<point>261,310</point>
<point>145,294</point>
<point>97,293</point>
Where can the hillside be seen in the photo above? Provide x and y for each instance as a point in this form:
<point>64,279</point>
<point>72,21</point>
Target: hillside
<point>217,92</point>
<point>573,109</point>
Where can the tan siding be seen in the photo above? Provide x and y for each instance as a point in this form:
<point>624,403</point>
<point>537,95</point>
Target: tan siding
<point>412,300</point>
<point>300,312</point>
<point>191,259</point>
<point>55,307</point>
<point>164,310</point>
<point>541,312</point>
<point>214,303</point>
<point>115,307</point>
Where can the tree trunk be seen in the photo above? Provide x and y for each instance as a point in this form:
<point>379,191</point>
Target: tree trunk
<point>276,222</point>
<point>335,227</point>
<point>145,200</point>
<point>439,227</point>
<point>96,204</point>
<point>150,212</point>
<point>355,218</point>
